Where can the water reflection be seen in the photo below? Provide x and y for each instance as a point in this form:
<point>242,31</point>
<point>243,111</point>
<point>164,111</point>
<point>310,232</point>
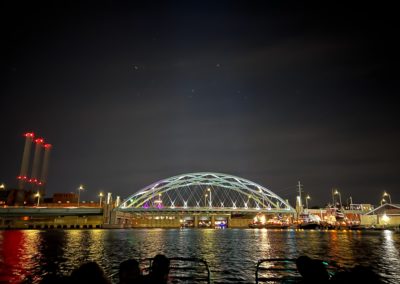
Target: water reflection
<point>231,253</point>
<point>390,257</point>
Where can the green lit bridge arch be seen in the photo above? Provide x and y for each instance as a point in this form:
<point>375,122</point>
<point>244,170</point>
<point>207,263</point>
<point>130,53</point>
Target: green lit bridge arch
<point>205,191</point>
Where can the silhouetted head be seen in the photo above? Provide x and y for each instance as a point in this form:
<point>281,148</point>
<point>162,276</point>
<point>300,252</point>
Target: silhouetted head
<point>312,270</point>
<point>160,266</point>
<point>129,271</point>
<point>303,264</point>
<point>89,272</point>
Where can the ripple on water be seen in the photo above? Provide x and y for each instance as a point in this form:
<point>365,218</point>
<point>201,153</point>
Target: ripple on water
<point>231,254</point>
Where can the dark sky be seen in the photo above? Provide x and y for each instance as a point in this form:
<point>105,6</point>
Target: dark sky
<point>129,94</point>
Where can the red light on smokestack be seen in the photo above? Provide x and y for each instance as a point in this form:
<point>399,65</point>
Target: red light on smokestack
<point>25,159</point>
<point>39,140</point>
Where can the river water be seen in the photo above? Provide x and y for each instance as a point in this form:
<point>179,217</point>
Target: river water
<point>231,253</point>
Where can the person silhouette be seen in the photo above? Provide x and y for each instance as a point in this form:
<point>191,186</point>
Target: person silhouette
<point>129,272</point>
<point>89,272</point>
<point>159,270</point>
<point>312,270</point>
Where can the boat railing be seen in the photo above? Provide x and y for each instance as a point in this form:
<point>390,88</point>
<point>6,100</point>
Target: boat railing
<point>283,270</point>
<point>183,269</point>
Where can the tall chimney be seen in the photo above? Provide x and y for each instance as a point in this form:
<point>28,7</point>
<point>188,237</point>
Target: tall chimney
<point>37,157</point>
<point>25,160</point>
<point>45,167</point>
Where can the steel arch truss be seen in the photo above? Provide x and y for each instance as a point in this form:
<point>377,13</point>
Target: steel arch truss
<point>206,190</point>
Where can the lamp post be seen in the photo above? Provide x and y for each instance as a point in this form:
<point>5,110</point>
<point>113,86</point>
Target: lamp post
<point>383,201</point>
<point>205,200</point>
<point>158,201</point>
<point>209,190</point>
<point>80,188</point>
<point>38,198</point>
<point>101,197</point>
<point>388,195</point>
<point>340,197</point>
<point>307,197</point>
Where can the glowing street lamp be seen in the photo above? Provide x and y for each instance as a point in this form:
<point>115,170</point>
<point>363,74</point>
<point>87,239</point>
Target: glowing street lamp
<point>2,186</point>
<point>209,190</point>
<point>248,199</point>
<point>205,200</point>
<point>383,201</point>
<point>307,197</point>
<point>80,188</point>
<point>101,197</point>
<point>340,197</point>
<point>388,195</point>
<point>38,196</point>
<point>158,201</point>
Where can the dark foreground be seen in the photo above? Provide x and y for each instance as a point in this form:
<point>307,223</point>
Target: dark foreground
<point>232,254</point>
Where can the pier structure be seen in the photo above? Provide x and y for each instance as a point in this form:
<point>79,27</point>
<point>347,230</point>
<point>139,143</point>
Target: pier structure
<point>51,217</point>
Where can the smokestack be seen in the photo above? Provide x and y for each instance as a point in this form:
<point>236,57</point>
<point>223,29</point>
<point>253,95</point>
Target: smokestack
<point>25,159</point>
<point>45,167</point>
<point>37,157</point>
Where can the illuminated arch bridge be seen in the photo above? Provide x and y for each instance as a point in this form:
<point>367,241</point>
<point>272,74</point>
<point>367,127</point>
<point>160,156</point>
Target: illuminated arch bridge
<point>205,191</point>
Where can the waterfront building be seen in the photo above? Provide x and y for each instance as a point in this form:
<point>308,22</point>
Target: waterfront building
<point>385,216</point>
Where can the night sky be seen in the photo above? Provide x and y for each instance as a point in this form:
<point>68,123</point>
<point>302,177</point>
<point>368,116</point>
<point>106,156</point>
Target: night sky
<point>129,94</point>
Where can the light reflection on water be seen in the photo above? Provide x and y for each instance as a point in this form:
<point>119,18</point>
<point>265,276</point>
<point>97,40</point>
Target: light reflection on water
<point>231,253</point>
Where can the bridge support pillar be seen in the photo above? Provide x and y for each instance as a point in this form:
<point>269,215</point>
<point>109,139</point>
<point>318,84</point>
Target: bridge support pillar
<point>196,221</point>
<point>212,221</point>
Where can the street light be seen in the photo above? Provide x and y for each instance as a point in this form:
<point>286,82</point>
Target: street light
<point>340,197</point>
<point>209,190</point>
<point>158,201</point>
<point>307,197</point>
<point>79,193</point>
<point>383,201</point>
<point>38,198</point>
<point>101,197</point>
<point>388,195</point>
<point>2,186</point>
<point>205,200</point>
